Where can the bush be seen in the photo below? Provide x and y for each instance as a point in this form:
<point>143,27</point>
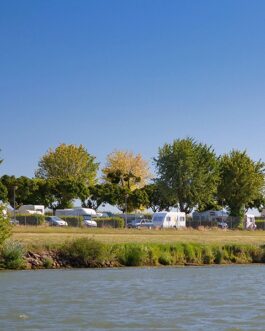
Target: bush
<point>5,227</point>
<point>133,255</point>
<point>12,255</point>
<point>47,262</point>
<point>165,258</point>
<point>84,252</point>
<point>30,219</point>
<point>111,222</point>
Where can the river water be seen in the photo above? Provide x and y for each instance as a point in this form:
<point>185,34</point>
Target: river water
<point>189,298</point>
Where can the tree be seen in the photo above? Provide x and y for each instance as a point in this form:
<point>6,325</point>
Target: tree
<point>128,201</point>
<point>68,162</point>
<point>242,183</point>
<point>3,193</point>
<point>188,172</point>
<point>93,197</point>
<point>126,170</point>
<point>157,198</point>
<point>24,187</point>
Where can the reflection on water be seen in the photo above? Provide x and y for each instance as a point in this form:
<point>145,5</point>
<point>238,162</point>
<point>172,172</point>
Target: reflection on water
<point>191,298</point>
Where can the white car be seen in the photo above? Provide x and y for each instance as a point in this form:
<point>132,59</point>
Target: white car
<point>56,221</point>
<point>222,225</point>
<point>89,223</point>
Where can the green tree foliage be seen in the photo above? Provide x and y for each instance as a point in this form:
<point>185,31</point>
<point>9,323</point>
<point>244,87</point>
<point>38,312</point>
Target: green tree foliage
<point>68,162</point>
<point>188,173</point>
<point>3,192</point>
<point>129,201</point>
<point>24,187</point>
<point>242,182</point>
<point>157,198</point>
<point>97,195</point>
<point>5,227</point>
<point>58,193</point>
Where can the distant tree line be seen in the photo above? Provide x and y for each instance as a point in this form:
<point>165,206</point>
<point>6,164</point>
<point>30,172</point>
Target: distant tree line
<point>189,176</point>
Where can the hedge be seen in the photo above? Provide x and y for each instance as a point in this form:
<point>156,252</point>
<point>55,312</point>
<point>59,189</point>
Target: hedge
<point>30,219</point>
<point>111,222</point>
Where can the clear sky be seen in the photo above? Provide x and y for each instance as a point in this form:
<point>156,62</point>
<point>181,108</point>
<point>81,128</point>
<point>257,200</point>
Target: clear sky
<point>129,75</point>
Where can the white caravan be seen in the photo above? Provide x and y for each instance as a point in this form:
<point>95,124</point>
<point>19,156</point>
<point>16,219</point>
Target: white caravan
<point>31,209</point>
<point>169,220</point>
<point>78,211</point>
<point>249,222</point>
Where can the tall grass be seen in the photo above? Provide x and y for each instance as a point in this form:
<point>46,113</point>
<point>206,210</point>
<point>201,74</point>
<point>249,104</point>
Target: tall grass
<point>11,255</point>
<point>85,252</point>
<point>88,252</point>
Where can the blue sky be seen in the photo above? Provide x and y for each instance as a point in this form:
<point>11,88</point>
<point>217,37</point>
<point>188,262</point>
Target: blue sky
<point>129,75</point>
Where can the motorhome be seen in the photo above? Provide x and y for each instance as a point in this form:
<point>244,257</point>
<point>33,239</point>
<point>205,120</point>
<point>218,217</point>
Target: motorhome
<point>31,209</point>
<point>77,211</point>
<point>169,220</point>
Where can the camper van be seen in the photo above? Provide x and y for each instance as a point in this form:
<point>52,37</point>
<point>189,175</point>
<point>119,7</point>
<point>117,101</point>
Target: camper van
<point>31,209</point>
<point>169,220</point>
<point>78,211</point>
<point>86,213</point>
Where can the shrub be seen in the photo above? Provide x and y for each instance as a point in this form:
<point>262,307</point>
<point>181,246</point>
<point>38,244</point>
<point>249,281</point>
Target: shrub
<point>112,222</point>
<point>165,258</point>
<point>30,219</point>
<point>47,262</point>
<point>12,255</point>
<point>5,227</point>
<point>133,255</point>
<point>84,252</point>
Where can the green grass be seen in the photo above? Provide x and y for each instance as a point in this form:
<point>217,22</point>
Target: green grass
<point>84,252</point>
<point>41,236</point>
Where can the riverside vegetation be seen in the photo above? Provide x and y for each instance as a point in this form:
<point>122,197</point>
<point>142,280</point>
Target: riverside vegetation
<point>84,252</point>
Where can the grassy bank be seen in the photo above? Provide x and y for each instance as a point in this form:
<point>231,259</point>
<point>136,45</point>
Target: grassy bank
<point>33,237</point>
<point>83,252</point>
<point>33,247</point>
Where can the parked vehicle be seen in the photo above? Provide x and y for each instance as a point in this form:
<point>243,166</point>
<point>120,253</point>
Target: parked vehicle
<point>89,222</point>
<point>249,222</point>
<point>169,220</point>
<point>77,211</point>
<point>141,223</point>
<point>222,225</point>
<point>130,218</point>
<point>31,209</point>
<point>56,221</point>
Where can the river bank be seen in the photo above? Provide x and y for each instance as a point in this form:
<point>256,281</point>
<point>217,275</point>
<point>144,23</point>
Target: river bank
<point>89,253</point>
